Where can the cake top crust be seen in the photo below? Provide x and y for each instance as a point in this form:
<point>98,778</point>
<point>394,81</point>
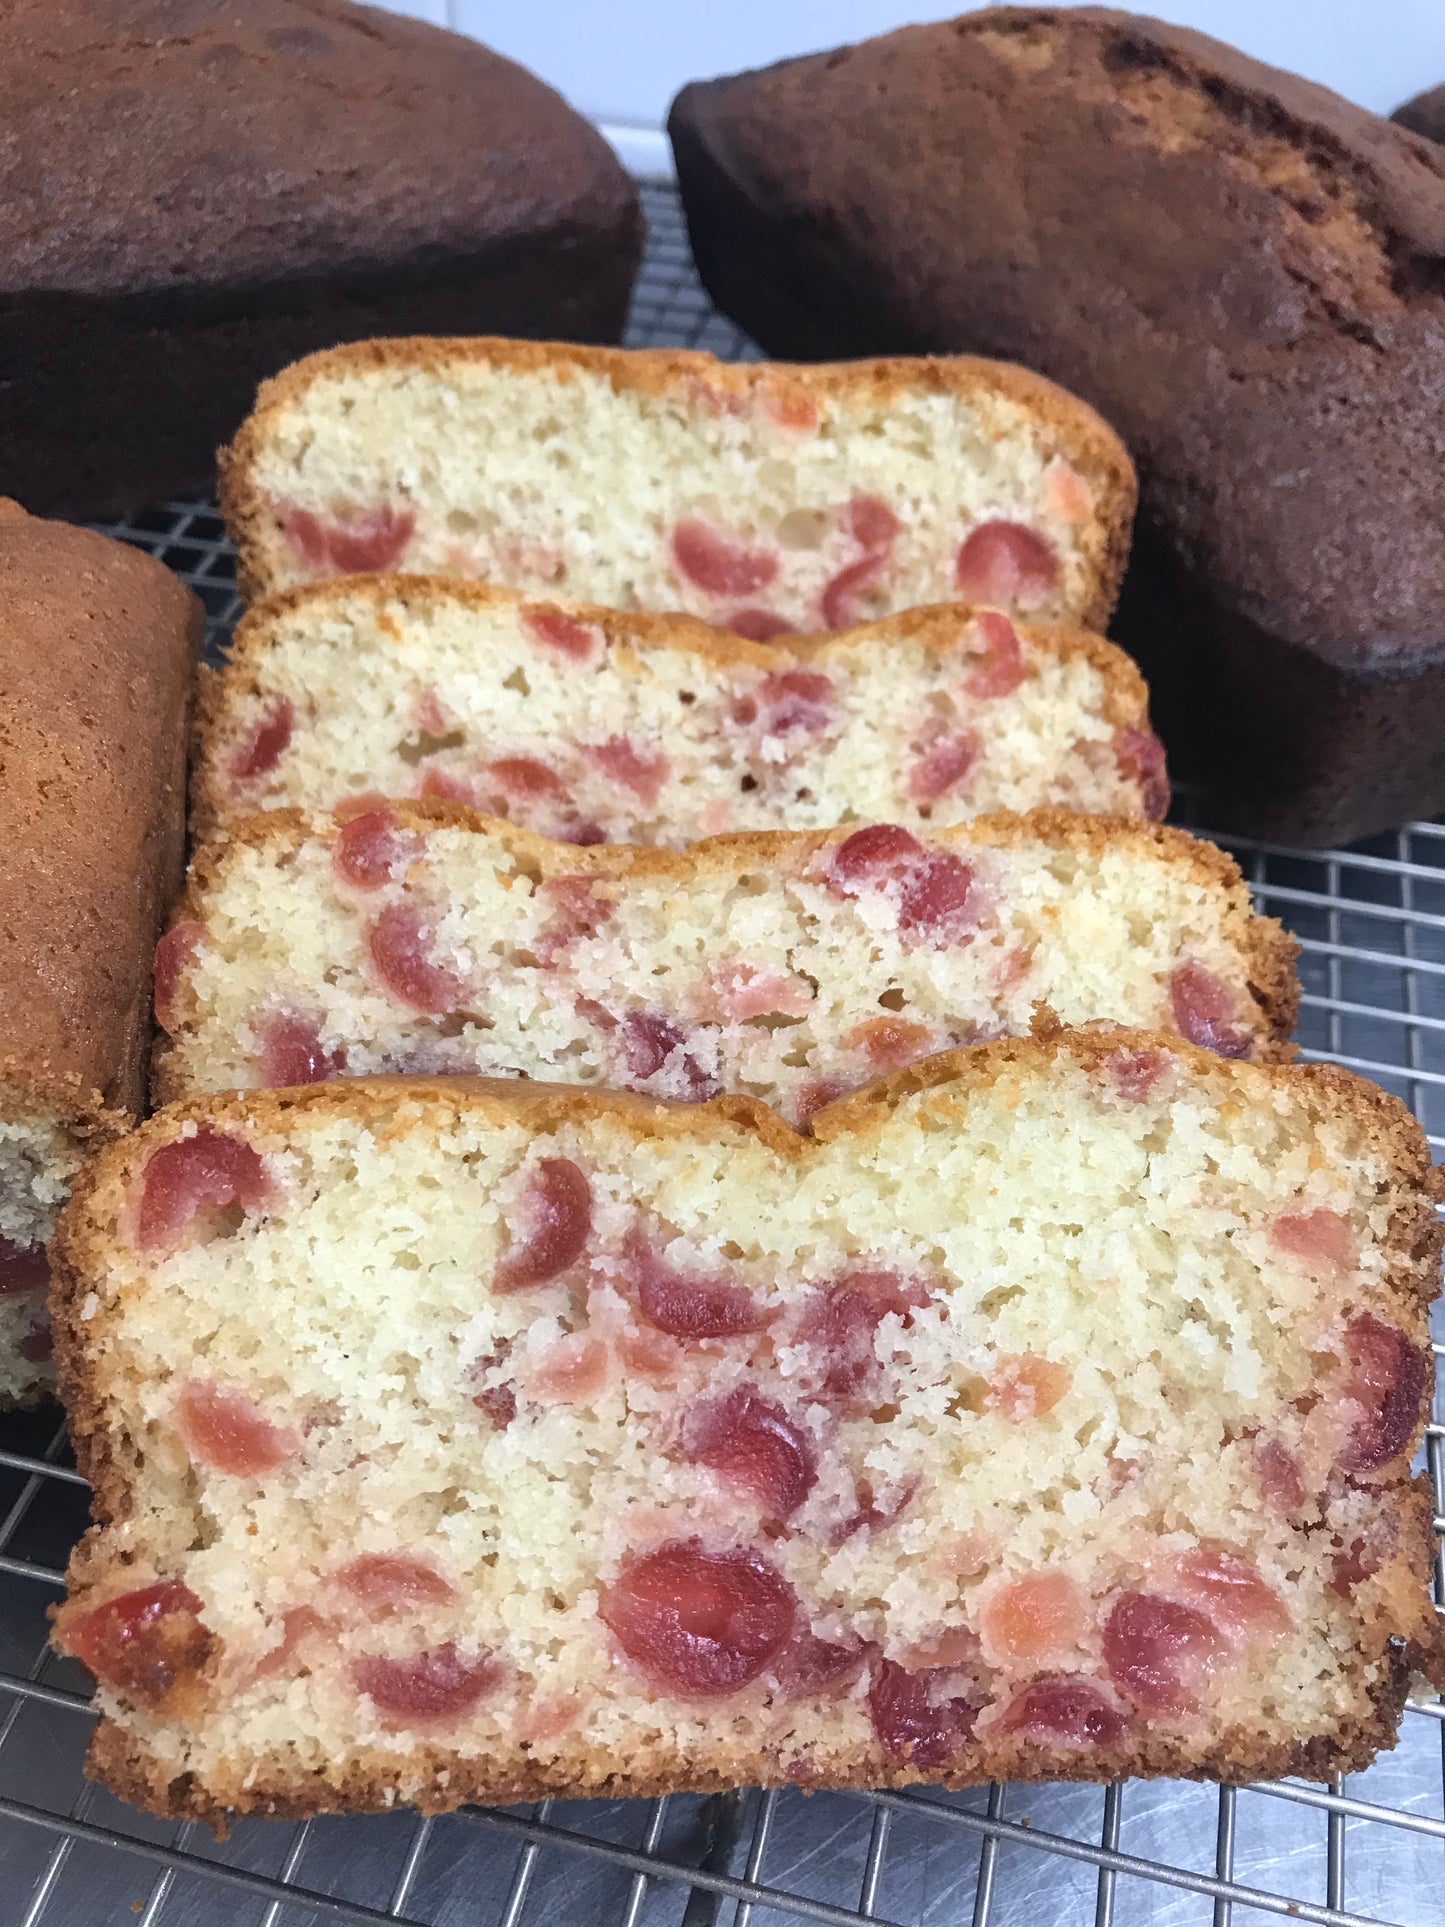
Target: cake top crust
<point>97,648</point>
<point>179,143</point>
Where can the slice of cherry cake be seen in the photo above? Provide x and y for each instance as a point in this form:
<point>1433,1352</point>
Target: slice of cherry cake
<point>792,966</point>
<point>762,497</point>
<point>601,727</point>
<point>1048,1413</point>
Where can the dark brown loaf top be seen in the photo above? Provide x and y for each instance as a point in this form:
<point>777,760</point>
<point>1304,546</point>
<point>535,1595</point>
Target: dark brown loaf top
<point>1425,114</point>
<point>193,194</point>
<point>1240,270</point>
<point>97,647</point>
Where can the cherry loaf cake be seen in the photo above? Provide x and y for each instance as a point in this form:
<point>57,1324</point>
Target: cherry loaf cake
<point>97,648</point>
<point>762,498</point>
<point>1243,271</point>
<point>1048,1414</point>
<point>791,966</point>
<point>595,726</point>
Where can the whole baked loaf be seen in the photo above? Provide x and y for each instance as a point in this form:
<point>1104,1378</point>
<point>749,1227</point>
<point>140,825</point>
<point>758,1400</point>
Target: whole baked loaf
<point>605,726</point>
<point>1244,273</point>
<point>762,499</point>
<point>1047,1415</point>
<point>192,195</point>
<point>423,937</point>
<point>97,649</point>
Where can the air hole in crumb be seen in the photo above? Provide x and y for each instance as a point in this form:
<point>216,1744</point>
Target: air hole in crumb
<point>971,1397</point>
<point>518,681</point>
<point>893,999</point>
<point>733,1250</point>
<point>803,796</point>
<point>415,749</point>
<point>748,784</point>
<point>994,1301</point>
<point>686,696</point>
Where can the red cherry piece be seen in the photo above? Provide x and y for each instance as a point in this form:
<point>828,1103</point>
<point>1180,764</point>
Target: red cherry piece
<point>575,1371</point>
<point>940,899</point>
<point>1027,1385</point>
<point>1207,1011</point>
<point>372,848</point>
<point>394,1582</point>
<point>427,1689</point>
<point>912,1721</point>
<point>688,1307</point>
<point>1140,755</point>
<point>196,1177</point>
<point>816,1094</point>
<point>700,1624</point>
<point>264,744</point>
<point>399,940</point>
<point>839,605</point>
<point>653,1043</point>
<point>1155,1649</point>
<point>890,1042</point>
<point>22,1268</point>
<point>142,1643</point>
<point>556,1211</point>
<point>1066,1709</point>
<point>643,771</point>
<point>292,1052</point>
<point>871,523</point>
<point>306,533</point>
<point>450,786</point>
<point>1000,667</point>
<point>719,563</point>
<point>352,542</point>
<point>758,625</point>
<point>794,699</point>
<point>873,1515</point>
<point>548,624</point>
<point>1280,1483</point>
<point>942,767</point>
<point>1007,563</point>
<point>813,1668</point>
<point>753,1446</point>
<point>1363,1557</point>
<point>1322,1239</point>
<point>175,953</point>
<point>875,855</point>
<point>523,779</point>
<point>1388,1379</point>
<point>224,1428</point>
<point>842,1320</point>
<point>742,990</point>
<point>1134,1073</point>
<point>499,1402</point>
<point>1233,1592</point>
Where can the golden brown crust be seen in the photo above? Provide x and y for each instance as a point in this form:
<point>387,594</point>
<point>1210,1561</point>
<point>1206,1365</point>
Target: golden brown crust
<point>1403,1634</point>
<point>1080,435</point>
<point>97,649</point>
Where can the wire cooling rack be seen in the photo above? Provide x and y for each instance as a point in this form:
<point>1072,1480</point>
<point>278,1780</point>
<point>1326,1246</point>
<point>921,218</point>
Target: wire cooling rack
<point>1372,922</point>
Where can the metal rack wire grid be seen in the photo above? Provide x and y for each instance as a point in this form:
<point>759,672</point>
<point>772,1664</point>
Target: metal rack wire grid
<point>1372,924</point>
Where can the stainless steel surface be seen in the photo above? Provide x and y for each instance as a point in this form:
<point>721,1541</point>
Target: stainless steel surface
<point>1372,922</point>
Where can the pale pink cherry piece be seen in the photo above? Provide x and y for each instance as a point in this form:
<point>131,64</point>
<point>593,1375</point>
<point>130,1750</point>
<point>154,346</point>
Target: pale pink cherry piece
<point>292,1052</point>
<point>790,408</point>
<point>548,624</point>
<point>946,763</point>
<point>1140,755</point>
<point>793,701</point>
<point>1362,1557</point>
<point>947,1650</point>
<point>1007,563</point>
<point>650,1353</point>
<point>195,1177</point>
<point>1026,1385</point>
<point>525,560</point>
<point>1135,1074</point>
<point>700,1624</point>
<point>688,1307</point>
<point>1208,1012</point>
<point>813,1668</point>
<point>429,1688</point>
<point>841,1322</point>
<point>522,779</point>
<point>1281,1483</point>
<point>652,1043</point>
<point>757,625</point>
<point>372,849</point>
<point>225,1429</point>
<point>547,1716</point>
<point>872,1514</point>
<point>721,564</point>
<point>555,1223</point>
<point>23,1268</point>
<point>298,1625</point>
<point>999,668</point>
<point>817,1093</point>
<point>175,954</point>
<point>430,713</point>
<point>871,523</point>
<point>1231,1590</point>
<point>352,541</point>
<point>399,940</point>
<point>448,786</point>
<point>1066,493</point>
<point>1321,1239</point>
<point>753,1446</point>
<point>575,1371</point>
<point>737,991</point>
<point>1387,1382</point>
<point>1038,1620</point>
<point>634,767</point>
<point>1064,1709</point>
<point>387,1582</point>
<point>1158,1650</point>
<point>888,1043</point>
<point>912,1722</point>
<point>265,742</point>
